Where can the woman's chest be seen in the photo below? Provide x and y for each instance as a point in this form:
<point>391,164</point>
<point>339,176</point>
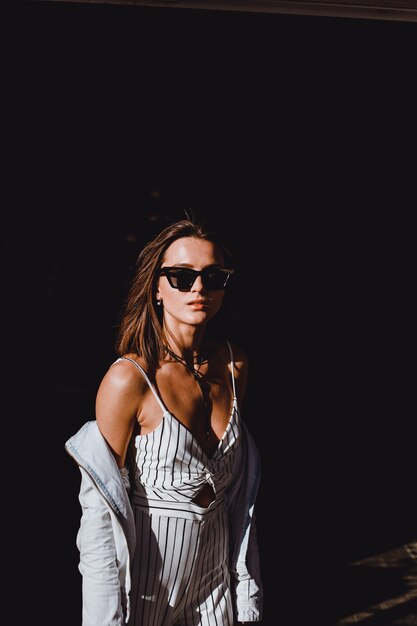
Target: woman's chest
<point>202,406</point>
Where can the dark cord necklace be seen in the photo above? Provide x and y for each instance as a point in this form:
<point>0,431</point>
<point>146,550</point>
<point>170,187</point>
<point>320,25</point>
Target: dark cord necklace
<point>198,360</point>
<point>194,369</point>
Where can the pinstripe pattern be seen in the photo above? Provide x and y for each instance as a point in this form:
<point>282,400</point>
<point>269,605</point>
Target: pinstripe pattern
<point>180,569</point>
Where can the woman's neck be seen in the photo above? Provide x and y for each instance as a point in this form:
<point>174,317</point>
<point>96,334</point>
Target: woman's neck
<point>187,342</point>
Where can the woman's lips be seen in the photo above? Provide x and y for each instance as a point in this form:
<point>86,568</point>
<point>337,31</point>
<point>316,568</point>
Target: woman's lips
<point>198,304</point>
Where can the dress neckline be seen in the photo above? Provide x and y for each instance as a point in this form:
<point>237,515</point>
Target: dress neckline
<point>234,409</point>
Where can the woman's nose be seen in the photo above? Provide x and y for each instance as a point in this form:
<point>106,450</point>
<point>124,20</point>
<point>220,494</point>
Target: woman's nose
<point>198,284</point>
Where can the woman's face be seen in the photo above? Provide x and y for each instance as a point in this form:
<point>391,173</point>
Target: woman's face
<point>198,303</point>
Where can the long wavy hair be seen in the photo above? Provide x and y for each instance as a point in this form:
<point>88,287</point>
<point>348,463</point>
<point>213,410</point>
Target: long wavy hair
<point>140,329</point>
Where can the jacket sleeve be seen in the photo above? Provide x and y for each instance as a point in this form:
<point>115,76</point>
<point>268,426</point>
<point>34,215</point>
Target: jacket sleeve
<point>103,601</point>
<point>245,560</point>
<point>247,582</point>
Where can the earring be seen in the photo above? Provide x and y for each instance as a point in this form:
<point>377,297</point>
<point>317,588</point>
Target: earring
<point>159,302</point>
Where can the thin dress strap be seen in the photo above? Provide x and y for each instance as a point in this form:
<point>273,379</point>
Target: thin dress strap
<point>233,368</point>
<point>146,377</point>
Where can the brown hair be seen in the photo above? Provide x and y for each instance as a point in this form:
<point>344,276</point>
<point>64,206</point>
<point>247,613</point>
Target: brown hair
<point>140,329</point>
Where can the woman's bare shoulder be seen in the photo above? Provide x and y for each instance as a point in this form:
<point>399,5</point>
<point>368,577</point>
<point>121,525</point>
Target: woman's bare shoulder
<point>123,375</point>
<point>120,394</point>
<point>240,362</point>
<point>223,356</point>
<point>240,356</point>
<point>118,403</point>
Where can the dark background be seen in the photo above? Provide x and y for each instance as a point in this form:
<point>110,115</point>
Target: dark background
<point>294,137</point>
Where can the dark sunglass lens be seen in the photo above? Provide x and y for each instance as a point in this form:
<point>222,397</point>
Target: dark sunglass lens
<point>214,279</point>
<point>183,279</point>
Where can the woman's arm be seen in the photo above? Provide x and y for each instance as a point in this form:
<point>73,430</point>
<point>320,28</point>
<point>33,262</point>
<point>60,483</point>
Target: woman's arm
<point>118,405</point>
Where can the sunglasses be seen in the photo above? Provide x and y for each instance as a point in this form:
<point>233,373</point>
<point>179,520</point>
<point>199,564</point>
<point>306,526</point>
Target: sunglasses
<point>183,278</point>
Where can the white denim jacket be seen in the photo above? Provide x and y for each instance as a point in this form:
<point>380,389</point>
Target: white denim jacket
<point>106,537</point>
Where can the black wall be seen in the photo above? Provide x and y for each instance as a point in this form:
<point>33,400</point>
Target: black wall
<point>293,136</point>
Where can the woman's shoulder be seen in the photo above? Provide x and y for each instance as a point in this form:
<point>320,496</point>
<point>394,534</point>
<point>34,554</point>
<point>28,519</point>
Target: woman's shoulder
<point>127,372</point>
<point>237,353</point>
<point>229,351</point>
<point>238,366</point>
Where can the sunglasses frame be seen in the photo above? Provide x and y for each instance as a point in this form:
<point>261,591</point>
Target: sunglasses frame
<point>166,271</point>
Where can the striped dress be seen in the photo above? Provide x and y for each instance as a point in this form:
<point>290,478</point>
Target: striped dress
<point>180,572</point>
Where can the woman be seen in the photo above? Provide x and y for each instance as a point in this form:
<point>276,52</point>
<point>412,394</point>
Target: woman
<point>169,469</point>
